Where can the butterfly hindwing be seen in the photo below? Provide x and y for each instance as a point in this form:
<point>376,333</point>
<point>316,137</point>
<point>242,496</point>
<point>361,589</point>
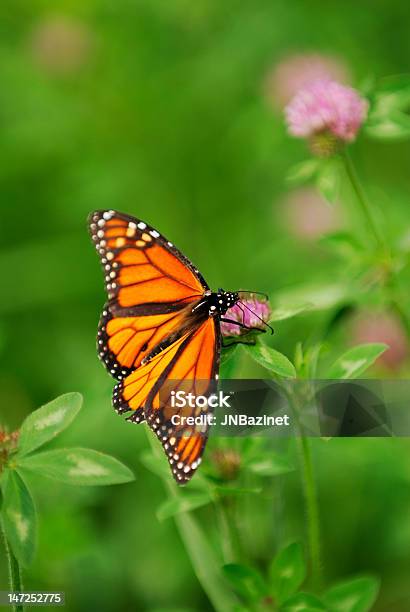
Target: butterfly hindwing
<point>123,342</point>
<point>189,363</point>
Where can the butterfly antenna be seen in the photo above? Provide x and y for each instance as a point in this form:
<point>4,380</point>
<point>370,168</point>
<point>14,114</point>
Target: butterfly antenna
<point>255,315</point>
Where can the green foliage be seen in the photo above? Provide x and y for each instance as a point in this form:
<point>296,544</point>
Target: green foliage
<point>47,422</point>
<point>389,118</point>
<point>303,171</point>
<point>287,572</point>
<point>319,295</point>
<point>343,243</point>
<point>272,360</point>
<point>282,313</point>
<point>329,180</point>
<point>355,595</point>
<point>305,602</point>
<point>76,466</point>
<point>269,464</point>
<point>247,582</point>
<point>229,360</point>
<point>356,360</point>
<point>183,503</point>
<point>203,558</point>
<point>160,110</point>
<point>19,517</point>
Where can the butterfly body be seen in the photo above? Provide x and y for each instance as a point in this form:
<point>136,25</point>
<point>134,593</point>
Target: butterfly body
<point>213,304</point>
<point>161,324</point>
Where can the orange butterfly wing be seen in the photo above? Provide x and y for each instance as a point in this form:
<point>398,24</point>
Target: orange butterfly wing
<point>152,288</point>
<point>124,341</point>
<point>190,362</point>
<point>149,285</point>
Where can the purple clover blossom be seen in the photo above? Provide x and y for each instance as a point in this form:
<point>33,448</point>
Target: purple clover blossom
<point>248,312</point>
<point>326,107</point>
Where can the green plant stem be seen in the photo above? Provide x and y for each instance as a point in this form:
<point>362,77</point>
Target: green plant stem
<point>362,199</point>
<point>15,581</point>
<point>312,511</point>
<point>206,565</point>
<point>310,494</point>
<point>229,537</point>
<point>379,238</point>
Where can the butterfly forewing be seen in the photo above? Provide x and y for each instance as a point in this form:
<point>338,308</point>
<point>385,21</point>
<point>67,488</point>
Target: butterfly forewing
<point>144,273</point>
<point>149,285</point>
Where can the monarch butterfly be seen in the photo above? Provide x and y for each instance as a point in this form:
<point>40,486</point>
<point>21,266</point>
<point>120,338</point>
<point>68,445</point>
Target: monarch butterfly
<point>161,323</point>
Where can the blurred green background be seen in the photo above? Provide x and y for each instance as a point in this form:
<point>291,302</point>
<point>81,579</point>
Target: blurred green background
<point>171,111</point>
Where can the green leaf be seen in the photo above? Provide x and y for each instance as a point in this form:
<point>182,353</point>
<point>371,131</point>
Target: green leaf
<point>227,353</point>
<point>272,360</point>
<point>182,503</point>
<point>355,595</point>
<point>319,296</point>
<point>77,466</point>
<point>157,465</point>
<point>287,571</point>
<point>389,129</point>
<point>343,242</point>
<point>287,312</point>
<point>229,360</point>
<point>271,465</point>
<point>389,118</point>
<point>394,83</point>
<point>356,360</point>
<point>329,181</point>
<point>302,602</point>
<point>302,172</point>
<point>246,581</point>
<point>19,518</point>
<point>205,563</point>
<point>48,421</point>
